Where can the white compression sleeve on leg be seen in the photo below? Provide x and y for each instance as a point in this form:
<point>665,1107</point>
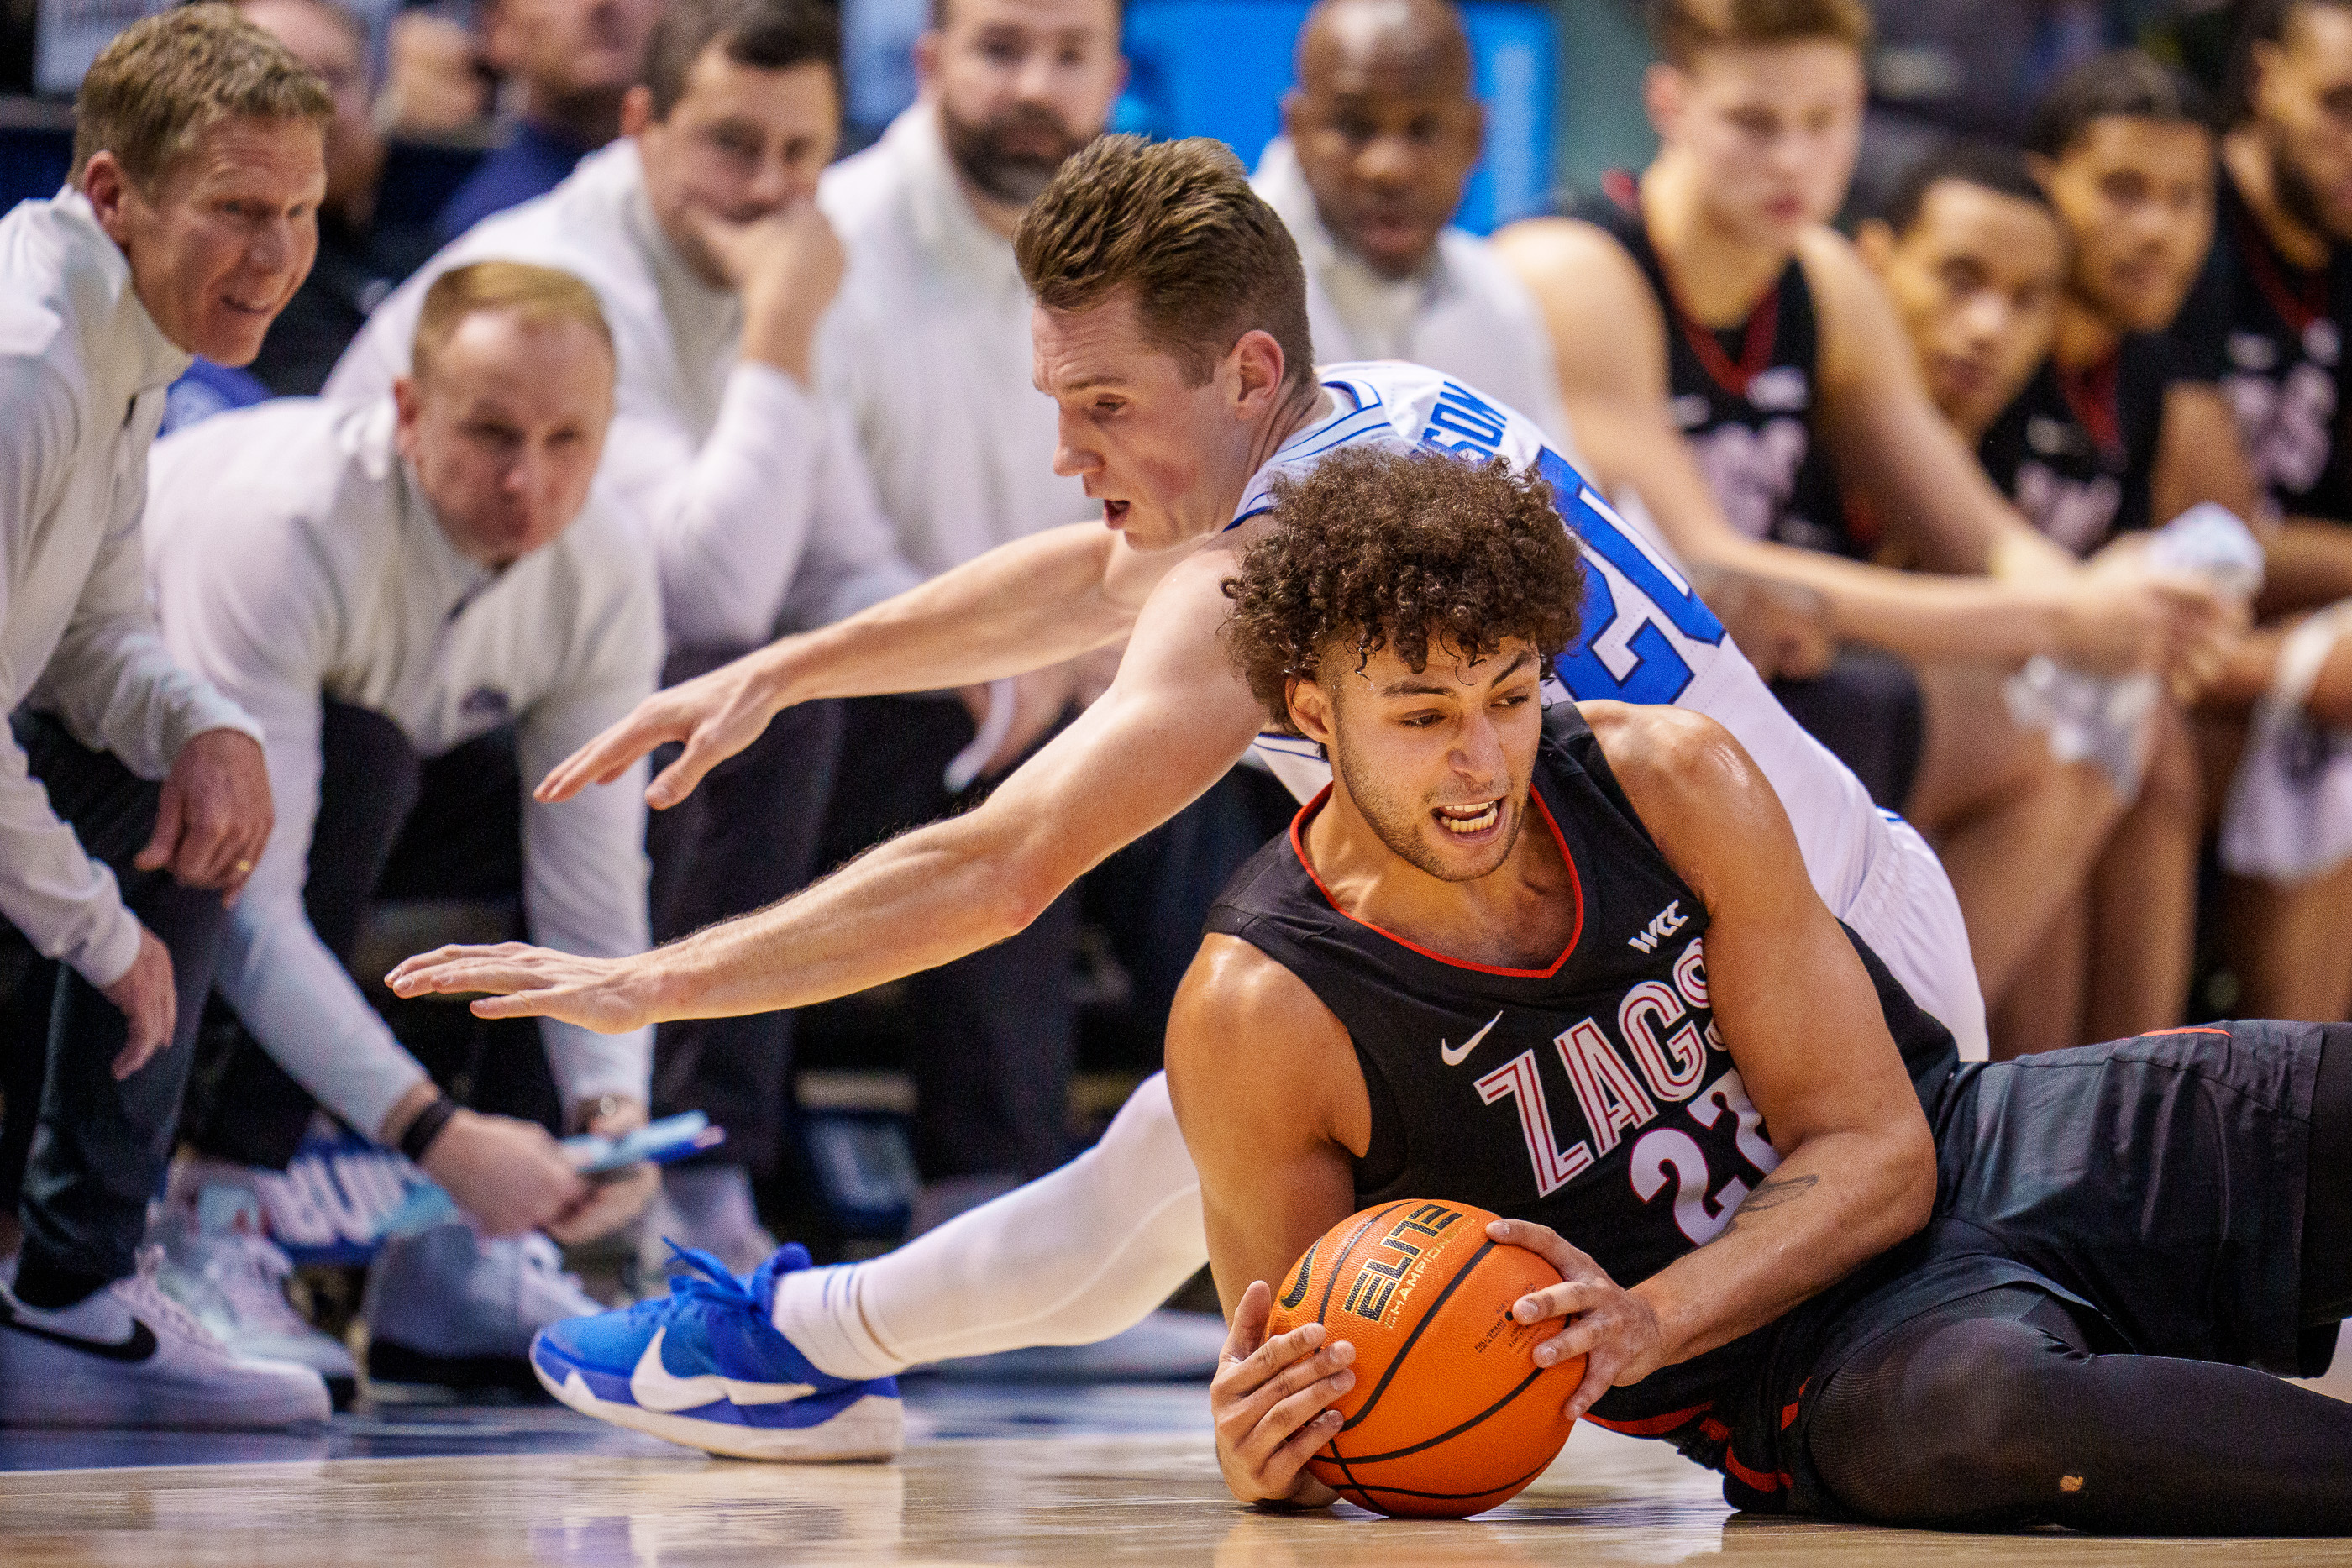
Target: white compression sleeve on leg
<point>1072,1258</point>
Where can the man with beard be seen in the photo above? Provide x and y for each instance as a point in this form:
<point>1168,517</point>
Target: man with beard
<point>2103,435</point>
<point>699,232</point>
<point>928,350</point>
<point>1379,140</point>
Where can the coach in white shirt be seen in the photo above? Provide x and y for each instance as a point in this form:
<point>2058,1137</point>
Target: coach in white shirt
<point>191,219</point>
<point>701,235</point>
<point>1382,133</point>
<point>381,585</point>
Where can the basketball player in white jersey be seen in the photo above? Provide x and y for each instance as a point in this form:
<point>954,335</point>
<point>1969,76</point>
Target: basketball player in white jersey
<point>1171,329</point>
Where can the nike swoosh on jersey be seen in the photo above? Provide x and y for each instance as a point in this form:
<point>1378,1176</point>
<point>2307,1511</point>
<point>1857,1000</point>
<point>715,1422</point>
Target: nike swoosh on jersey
<point>137,1348</point>
<point>1456,1055</point>
<point>656,1388</point>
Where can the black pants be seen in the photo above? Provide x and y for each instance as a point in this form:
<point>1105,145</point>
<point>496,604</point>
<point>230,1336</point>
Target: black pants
<point>87,1152</point>
<point>751,834</point>
<point>391,825</point>
<point>991,1066</point>
<point>2017,1406</point>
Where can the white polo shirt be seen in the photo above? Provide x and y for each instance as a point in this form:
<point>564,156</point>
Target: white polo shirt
<point>750,488</point>
<point>926,350</point>
<point>83,369</point>
<point>1465,314</point>
<point>295,559</point>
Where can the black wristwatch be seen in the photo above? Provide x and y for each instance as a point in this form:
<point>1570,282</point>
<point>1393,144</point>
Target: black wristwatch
<point>427,1126</point>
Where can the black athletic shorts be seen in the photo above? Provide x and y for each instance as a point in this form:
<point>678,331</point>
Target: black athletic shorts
<point>2155,1185</point>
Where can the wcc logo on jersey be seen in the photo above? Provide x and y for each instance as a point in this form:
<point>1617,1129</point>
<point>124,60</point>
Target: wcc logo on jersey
<point>1663,924</point>
<point>1384,1281</point>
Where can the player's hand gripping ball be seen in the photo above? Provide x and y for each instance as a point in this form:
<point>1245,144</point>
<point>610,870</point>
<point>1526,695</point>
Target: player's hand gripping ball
<point>1450,1415</point>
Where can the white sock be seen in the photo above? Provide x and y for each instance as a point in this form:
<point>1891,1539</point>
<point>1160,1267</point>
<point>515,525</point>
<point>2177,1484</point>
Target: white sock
<point>1072,1258</point>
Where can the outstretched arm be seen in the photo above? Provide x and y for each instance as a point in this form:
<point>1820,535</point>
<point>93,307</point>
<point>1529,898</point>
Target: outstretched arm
<point>1021,606</point>
<point>1174,720</point>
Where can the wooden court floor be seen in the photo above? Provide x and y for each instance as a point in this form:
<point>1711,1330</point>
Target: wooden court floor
<point>991,1476</point>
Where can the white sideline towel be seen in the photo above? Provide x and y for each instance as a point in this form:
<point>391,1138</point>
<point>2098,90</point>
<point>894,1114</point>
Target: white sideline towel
<point>2290,811</point>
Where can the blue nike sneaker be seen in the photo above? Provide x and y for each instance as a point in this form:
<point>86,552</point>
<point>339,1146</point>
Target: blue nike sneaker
<point>707,1368</point>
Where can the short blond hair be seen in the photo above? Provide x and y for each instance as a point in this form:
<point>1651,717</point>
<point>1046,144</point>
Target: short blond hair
<point>1177,223</point>
<point>539,295</point>
<point>167,79</point>
<point>1682,30</point>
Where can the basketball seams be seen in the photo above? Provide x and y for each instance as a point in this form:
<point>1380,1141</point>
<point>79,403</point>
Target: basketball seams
<point>1523,1386</point>
<point>1428,1314</point>
<point>1501,1494</point>
<point>1508,1429</point>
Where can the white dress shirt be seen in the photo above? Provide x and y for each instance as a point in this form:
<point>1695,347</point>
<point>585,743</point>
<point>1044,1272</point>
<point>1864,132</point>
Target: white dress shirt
<point>295,559</point>
<point>926,350</point>
<point>750,489</point>
<point>1465,314</point>
<point>83,369</point>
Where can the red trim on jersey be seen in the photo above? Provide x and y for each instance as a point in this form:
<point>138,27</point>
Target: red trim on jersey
<point>2185,1029</point>
<point>2091,395</point>
<point>1762,325</point>
<point>1651,1426</point>
<point>1298,848</point>
<point>2299,296</point>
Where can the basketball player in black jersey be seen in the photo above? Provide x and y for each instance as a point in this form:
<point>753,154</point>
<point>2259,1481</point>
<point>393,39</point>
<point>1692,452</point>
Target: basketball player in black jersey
<point>2109,434</point>
<point>1566,966</point>
<point>1766,351</point>
<point>2270,318</point>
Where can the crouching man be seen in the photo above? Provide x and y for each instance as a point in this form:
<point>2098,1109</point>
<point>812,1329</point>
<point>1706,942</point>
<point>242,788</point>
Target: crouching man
<point>415,598</point>
<point>191,218</point>
<point>2006,1311</point>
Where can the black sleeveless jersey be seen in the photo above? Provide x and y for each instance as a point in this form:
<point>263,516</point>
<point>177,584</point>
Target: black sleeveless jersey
<point>2076,451</point>
<point>1744,398</point>
<point>2273,334</point>
<point>1593,1095</point>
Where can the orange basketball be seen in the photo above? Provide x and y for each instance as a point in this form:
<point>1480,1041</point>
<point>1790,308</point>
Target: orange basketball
<point>1450,1415</point>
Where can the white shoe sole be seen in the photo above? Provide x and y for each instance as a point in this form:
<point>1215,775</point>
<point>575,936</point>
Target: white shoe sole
<point>873,1429</point>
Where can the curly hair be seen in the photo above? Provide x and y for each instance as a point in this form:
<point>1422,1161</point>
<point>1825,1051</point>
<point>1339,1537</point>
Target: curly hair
<point>1406,551</point>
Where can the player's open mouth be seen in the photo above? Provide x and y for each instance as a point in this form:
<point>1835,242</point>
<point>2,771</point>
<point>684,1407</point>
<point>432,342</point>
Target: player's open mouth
<point>1468,822</point>
<point>1114,514</point>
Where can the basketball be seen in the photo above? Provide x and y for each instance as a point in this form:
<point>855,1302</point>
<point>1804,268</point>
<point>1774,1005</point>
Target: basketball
<point>1450,1416</point>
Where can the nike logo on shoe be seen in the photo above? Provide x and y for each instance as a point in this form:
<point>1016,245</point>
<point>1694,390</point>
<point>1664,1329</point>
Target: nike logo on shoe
<point>1456,1055</point>
<point>656,1388</point>
<point>137,1348</point>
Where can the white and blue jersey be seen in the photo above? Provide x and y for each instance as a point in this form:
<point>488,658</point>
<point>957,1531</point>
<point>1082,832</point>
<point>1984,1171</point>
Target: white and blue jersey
<point>1647,638</point>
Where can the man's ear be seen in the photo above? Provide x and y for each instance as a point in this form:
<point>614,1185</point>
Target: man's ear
<point>108,189</point>
<point>1310,710</point>
<point>406,411</point>
<point>1257,366</point>
<point>1290,102</point>
<point>636,110</point>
